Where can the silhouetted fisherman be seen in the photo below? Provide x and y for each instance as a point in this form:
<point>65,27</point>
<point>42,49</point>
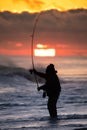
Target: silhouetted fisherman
<point>52,88</point>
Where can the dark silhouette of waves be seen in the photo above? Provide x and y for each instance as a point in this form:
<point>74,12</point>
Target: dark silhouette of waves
<point>9,71</point>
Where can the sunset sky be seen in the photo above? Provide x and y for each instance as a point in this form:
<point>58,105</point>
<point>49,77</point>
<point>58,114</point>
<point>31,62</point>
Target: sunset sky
<point>40,5</point>
<point>64,28</point>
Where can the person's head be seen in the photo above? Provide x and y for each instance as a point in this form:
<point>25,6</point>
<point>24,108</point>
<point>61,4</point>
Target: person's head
<point>50,69</point>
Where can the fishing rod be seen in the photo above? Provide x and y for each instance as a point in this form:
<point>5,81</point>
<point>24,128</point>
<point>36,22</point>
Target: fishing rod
<point>32,46</point>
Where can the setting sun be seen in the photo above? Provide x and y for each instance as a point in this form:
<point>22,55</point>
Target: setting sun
<point>44,52</point>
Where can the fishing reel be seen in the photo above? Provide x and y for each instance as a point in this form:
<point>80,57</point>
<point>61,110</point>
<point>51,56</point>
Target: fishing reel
<point>44,94</point>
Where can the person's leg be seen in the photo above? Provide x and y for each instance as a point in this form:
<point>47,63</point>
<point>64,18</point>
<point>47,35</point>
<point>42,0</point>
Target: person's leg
<point>52,106</point>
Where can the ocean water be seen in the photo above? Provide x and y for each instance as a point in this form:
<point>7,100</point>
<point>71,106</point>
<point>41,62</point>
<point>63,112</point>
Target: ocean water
<point>22,107</point>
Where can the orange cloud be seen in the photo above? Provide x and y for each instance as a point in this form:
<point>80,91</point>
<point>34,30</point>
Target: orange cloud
<point>15,52</point>
<point>71,52</point>
<point>32,5</point>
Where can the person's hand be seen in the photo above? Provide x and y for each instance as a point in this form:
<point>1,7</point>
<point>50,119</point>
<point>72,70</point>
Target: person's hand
<point>32,70</point>
<point>38,88</point>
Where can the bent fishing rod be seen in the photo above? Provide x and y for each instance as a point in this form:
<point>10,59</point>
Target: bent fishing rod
<point>32,46</point>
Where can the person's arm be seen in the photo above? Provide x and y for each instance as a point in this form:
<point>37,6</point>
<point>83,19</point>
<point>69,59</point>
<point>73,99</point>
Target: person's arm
<point>42,75</point>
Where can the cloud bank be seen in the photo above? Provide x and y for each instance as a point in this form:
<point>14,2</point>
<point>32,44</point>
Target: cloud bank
<point>53,27</point>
